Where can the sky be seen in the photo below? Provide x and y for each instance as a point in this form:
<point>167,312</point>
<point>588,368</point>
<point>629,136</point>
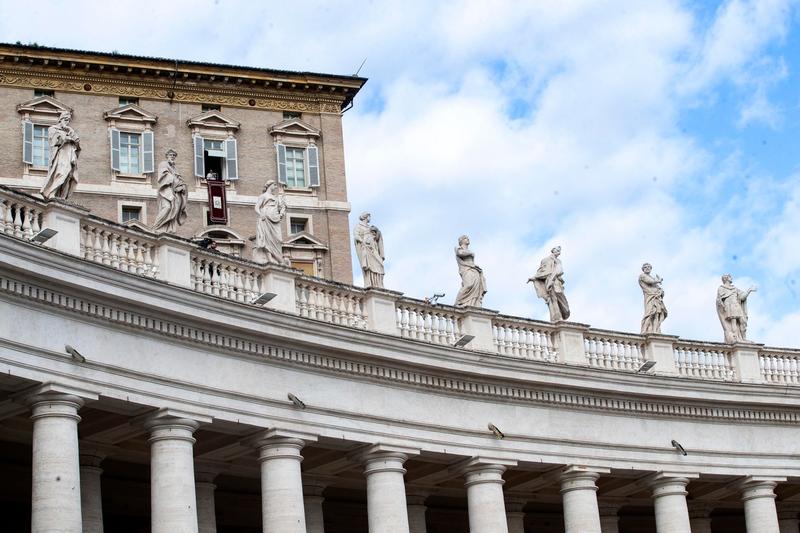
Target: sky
<point>624,131</point>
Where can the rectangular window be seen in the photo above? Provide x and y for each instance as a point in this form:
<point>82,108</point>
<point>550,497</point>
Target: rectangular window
<point>43,92</point>
<point>131,212</point>
<point>295,167</point>
<point>209,107</point>
<point>129,150</point>
<point>41,146</point>
<point>291,114</point>
<point>296,225</point>
<point>214,158</point>
<point>127,100</point>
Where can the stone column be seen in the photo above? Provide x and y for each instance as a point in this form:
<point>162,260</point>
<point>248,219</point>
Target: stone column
<point>312,500</point>
<point>609,517</point>
<point>206,503</point>
<point>700,517</point>
<point>282,504</point>
<point>579,496</point>
<point>483,478</point>
<point>386,491</point>
<point>91,491</point>
<point>416,512</point>
<point>56,491</point>
<point>787,517</point>
<point>173,501</point>
<point>758,495</point>
<point>515,516</point>
<point>669,499</point>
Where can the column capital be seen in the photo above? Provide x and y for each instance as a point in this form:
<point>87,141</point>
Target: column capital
<point>758,487</point>
<point>478,470</point>
<point>580,477</point>
<point>56,394</point>
<point>515,505</point>
<point>699,508</point>
<point>291,441</point>
<point>169,424</point>
<point>380,452</point>
<point>669,483</point>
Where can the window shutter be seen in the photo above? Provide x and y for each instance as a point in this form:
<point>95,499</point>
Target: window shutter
<point>115,149</point>
<point>148,163</point>
<point>282,164</point>
<point>231,168</point>
<point>199,163</point>
<point>313,166</point>
<point>27,142</point>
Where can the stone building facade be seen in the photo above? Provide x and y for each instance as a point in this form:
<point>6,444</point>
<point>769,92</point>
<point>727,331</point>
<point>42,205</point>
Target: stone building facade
<point>249,125</point>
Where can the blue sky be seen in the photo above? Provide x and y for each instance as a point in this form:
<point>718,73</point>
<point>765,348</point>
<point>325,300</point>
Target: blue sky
<point>660,131</point>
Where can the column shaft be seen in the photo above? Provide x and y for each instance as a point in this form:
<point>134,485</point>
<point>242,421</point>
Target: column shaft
<point>669,499</point>
<point>787,525</point>
<point>315,519</point>
<point>700,525</point>
<point>173,501</point>
<point>487,507</point>
<point>91,499</point>
<point>206,507</point>
<point>609,524</point>
<point>56,491</point>
<point>579,497</point>
<point>282,506</point>
<point>760,513</point>
<point>516,522</point>
<point>386,492</point>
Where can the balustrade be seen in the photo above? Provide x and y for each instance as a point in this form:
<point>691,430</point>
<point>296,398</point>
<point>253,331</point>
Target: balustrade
<point>780,367</point>
<point>525,339</point>
<point>20,219</point>
<point>225,277</point>
<point>119,248</point>
<point>330,303</point>
<point>430,323</point>
<point>613,351</point>
<point>703,360</point>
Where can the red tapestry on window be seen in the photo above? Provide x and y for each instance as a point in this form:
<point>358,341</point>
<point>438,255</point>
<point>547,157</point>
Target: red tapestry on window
<point>217,206</point>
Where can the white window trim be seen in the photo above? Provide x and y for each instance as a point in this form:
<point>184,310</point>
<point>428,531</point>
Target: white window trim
<point>307,218</point>
<point>138,123</point>
<point>40,111</point>
<point>130,203</point>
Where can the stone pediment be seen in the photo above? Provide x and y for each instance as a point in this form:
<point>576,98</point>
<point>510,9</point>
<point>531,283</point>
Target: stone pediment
<point>130,112</point>
<point>304,240</point>
<point>294,127</point>
<point>43,105</point>
<point>213,119</point>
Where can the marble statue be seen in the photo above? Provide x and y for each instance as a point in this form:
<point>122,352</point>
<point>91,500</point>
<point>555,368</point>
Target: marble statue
<point>172,195</point>
<point>654,309</point>
<point>732,310</point>
<point>271,208</point>
<point>473,284</point>
<point>62,174</point>
<point>549,284</point>
<point>369,248</point>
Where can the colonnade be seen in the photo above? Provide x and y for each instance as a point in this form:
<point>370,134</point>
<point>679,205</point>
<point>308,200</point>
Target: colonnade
<point>66,485</point>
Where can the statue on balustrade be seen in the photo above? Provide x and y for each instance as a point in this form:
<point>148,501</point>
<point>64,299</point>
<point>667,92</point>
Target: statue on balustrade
<point>172,195</point>
<point>473,284</point>
<point>369,248</point>
<point>62,174</point>
<point>732,310</point>
<point>549,285</point>
<point>271,208</point>
<point>654,309</point>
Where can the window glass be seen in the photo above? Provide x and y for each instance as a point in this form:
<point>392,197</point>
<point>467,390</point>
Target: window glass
<point>129,148</point>
<point>131,212</point>
<point>296,225</point>
<point>295,167</point>
<point>290,114</point>
<point>126,100</point>
<point>43,92</point>
<point>41,146</point>
<point>209,107</point>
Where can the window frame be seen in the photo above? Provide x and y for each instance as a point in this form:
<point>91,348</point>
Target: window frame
<point>296,216</point>
<point>142,206</point>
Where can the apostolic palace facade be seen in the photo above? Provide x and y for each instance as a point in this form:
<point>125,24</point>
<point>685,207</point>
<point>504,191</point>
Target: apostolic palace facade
<point>155,377</point>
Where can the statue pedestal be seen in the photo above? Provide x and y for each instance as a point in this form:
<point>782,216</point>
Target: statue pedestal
<point>744,358</point>
<point>569,341</point>
<point>660,348</point>
<point>478,322</point>
<point>379,306</point>
<point>66,220</point>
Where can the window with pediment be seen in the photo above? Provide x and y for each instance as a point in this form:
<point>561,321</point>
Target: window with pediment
<point>297,154</point>
<point>131,141</point>
<point>37,116</point>
<point>215,149</point>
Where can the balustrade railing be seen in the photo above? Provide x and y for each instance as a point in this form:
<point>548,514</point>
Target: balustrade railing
<point>704,360</point>
<point>225,277</point>
<point>616,351</point>
<point>437,324</point>
<point>20,218</point>
<point>122,248</point>
<point>330,302</point>
<point>780,366</point>
<point>522,338</point>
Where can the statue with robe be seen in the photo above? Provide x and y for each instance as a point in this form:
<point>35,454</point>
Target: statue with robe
<point>369,249</point>
<point>473,284</point>
<point>549,285</point>
<point>732,310</point>
<point>654,309</point>
<point>172,195</point>
<point>271,208</point>
<point>62,173</point>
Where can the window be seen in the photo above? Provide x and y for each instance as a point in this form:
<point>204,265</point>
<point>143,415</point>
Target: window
<point>129,152</point>
<point>216,156</point>
<point>43,92</point>
<point>287,115</point>
<point>131,212</point>
<point>128,100</point>
<point>296,225</point>
<point>295,167</point>
<point>209,107</point>
<point>41,146</point>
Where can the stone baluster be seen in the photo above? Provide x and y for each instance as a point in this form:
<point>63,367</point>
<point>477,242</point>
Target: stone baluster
<point>17,220</point>
<point>27,232</point>
<point>579,496</point>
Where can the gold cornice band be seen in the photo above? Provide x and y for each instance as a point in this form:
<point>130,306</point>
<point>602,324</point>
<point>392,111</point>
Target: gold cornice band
<point>253,98</point>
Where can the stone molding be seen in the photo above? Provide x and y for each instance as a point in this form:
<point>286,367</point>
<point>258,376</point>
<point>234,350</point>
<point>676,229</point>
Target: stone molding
<point>386,372</point>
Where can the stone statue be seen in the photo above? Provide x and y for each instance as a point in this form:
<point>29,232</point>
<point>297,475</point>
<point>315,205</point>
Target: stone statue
<point>62,175</point>
<point>473,284</point>
<point>654,309</point>
<point>369,248</point>
<point>732,310</point>
<point>172,195</point>
<point>549,284</point>
<point>271,208</point>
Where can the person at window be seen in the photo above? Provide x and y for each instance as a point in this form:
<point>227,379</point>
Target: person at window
<point>271,208</point>
<point>62,174</point>
<point>654,309</point>
<point>549,284</point>
<point>212,175</point>
<point>473,284</point>
<point>732,310</point>
<point>172,195</point>
<point>369,248</point>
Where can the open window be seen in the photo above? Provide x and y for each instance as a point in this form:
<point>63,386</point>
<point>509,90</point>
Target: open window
<point>215,148</point>
<point>297,153</point>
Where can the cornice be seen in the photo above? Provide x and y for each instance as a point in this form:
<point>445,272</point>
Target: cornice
<point>94,306</point>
